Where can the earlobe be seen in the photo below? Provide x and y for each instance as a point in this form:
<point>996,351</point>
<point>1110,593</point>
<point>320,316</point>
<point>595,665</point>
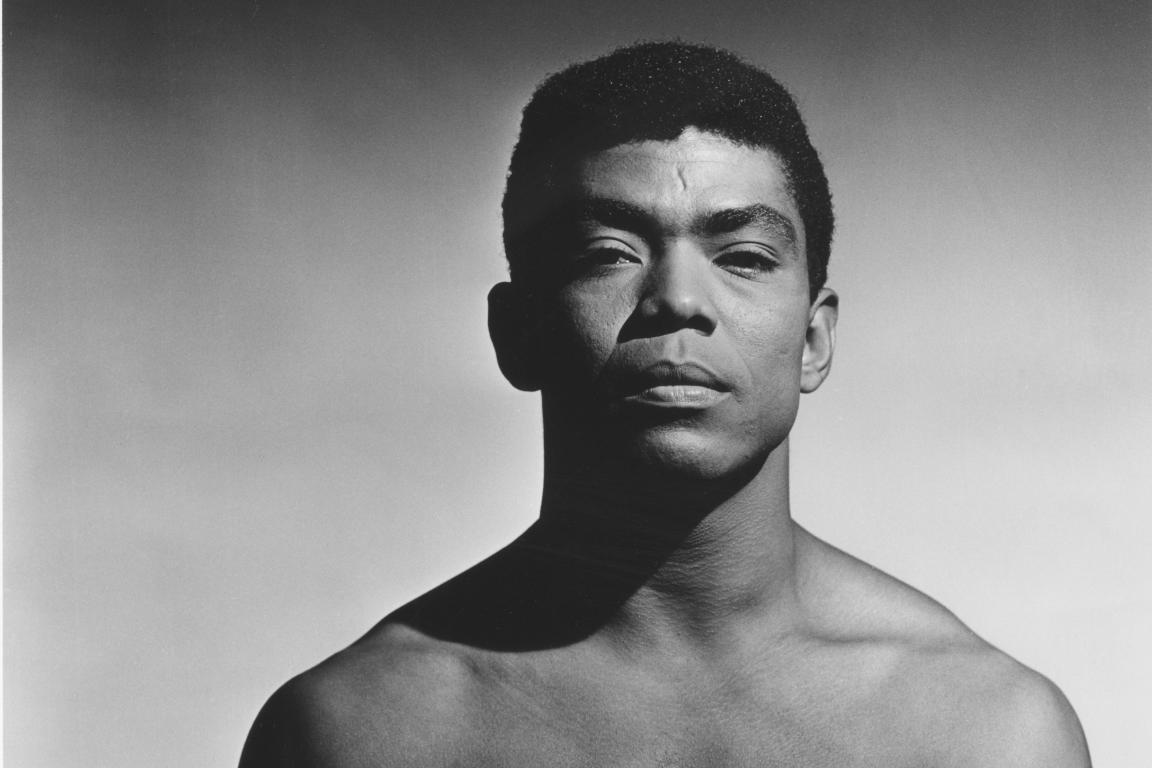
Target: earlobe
<point>819,340</point>
<point>511,329</point>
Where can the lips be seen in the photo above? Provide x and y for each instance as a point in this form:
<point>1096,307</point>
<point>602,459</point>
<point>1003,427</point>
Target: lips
<point>681,385</point>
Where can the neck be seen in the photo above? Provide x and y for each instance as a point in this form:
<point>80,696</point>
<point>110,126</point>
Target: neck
<point>672,558</point>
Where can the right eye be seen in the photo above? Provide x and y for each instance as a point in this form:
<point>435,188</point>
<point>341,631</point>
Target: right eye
<point>603,256</point>
<point>600,257</point>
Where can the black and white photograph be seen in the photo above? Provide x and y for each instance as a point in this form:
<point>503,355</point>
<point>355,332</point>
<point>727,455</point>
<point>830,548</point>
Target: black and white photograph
<point>577,384</point>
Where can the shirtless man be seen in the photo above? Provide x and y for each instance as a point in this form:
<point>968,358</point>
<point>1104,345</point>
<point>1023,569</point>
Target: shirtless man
<point>668,226</point>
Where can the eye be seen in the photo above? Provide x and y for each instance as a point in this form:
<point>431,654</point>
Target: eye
<point>605,255</point>
<point>748,263</point>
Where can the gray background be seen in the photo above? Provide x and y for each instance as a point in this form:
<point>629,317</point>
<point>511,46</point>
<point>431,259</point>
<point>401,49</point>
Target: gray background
<point>250,405</point>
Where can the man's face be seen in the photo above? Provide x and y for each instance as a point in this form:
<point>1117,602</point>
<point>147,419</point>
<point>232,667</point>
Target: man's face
<point>676,327</point>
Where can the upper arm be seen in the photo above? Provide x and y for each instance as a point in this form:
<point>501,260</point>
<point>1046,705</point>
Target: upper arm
<point>1033,726</point>
<point>358,709</point>
<point>283,732</point>
<point>1049,733</point>
<point>305,724</point>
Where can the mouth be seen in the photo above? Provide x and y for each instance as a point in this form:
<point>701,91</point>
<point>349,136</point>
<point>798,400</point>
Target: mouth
<point>674,385</point>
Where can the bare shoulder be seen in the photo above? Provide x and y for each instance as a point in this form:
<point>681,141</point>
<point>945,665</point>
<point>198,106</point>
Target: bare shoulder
<point>849,599</point>
<point>1004,713</point>
<point>393,698</point>
<point>971,704</point>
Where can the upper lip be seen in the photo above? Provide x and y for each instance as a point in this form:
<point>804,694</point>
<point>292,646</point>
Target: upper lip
<point>666,372</point>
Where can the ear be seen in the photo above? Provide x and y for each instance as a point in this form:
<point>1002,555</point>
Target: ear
<point>819,340</point>
<point>512,329</point>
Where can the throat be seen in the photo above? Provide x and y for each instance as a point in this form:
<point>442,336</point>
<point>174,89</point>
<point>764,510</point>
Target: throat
<point>671,570</point>
<point>657,572</point>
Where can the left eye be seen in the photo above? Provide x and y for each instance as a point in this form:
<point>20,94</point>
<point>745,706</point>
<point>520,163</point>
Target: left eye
<point>748,263</point>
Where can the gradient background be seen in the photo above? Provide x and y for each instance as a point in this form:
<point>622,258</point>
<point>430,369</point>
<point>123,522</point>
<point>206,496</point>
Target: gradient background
<point>250,405</point>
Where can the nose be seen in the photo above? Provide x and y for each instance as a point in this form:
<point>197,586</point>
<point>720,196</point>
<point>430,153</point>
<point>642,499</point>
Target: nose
<point>676,294</point>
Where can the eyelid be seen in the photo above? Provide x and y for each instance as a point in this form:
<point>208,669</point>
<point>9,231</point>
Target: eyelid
<point>596,252</point>
<point>606,240</point>
<point>760,249</point>
<point>605,243</point>
<point>757,245</point>
<point>758,259</point>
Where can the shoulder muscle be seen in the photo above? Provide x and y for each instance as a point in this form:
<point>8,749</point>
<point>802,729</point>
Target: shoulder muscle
<point>299,727</point>
<point>390,703</point>
<point>1028,723</point>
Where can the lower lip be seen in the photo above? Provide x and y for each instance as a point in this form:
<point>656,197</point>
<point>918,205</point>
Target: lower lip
<point>678,396</point>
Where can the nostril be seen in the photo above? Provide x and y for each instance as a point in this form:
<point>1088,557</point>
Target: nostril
<point>674,295</point>
<point>661,313</point>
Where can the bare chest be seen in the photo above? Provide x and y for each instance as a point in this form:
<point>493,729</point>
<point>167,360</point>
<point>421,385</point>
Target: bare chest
<point>722,725</point>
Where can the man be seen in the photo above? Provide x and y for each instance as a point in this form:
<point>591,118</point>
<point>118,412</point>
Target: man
<point>668,226</point>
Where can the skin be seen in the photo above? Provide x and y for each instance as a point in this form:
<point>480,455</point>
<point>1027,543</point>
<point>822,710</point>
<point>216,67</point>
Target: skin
<point>666,610</point>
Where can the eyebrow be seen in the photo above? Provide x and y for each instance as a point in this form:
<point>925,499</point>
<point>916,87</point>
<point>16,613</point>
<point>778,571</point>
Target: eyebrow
<point>756,215</point>
<point>612,213</point>
<point>621,215</point>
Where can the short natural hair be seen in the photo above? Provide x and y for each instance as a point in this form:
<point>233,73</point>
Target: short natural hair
<point>653,91</point>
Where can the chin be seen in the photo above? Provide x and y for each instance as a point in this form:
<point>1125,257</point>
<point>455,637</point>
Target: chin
<point>684,456</point>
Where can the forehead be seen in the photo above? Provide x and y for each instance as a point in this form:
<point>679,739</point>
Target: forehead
<point>694,174</point>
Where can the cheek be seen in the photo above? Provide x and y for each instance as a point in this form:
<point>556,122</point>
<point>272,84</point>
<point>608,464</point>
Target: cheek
<point>772,352</point>
<point>580,334</point>
<point>773,342</point>
<point>772,349</point>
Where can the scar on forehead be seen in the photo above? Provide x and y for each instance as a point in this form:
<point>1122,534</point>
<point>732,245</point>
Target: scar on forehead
<point>681,177</point>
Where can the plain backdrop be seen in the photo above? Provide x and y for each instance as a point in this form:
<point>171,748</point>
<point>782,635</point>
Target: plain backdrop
<point>250,405</point>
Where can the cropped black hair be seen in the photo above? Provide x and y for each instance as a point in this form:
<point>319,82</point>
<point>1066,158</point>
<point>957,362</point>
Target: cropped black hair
<point>653,91</point>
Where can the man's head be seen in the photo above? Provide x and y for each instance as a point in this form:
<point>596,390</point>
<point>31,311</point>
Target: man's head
<point>662,213</point>
<point>654,91</point>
